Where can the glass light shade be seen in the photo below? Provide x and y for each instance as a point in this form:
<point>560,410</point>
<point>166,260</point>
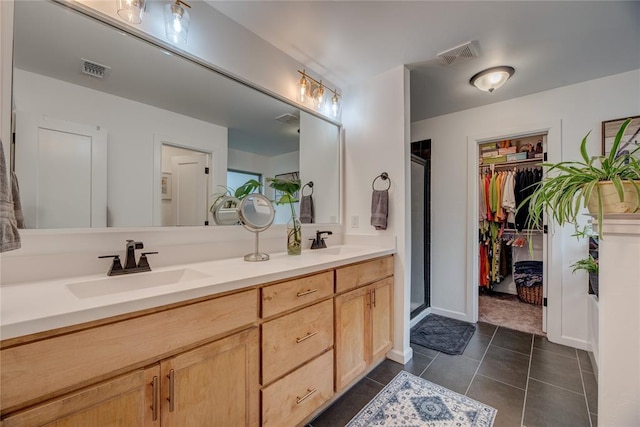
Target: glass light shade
<point>335,105</point>
<point>492,78</point>
<point>303,88</point>
<point>131,10</point>
<point>176,23</point>
<point>320,95</point>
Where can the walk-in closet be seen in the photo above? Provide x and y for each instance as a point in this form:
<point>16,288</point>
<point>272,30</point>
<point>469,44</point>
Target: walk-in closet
<point>511,248</point>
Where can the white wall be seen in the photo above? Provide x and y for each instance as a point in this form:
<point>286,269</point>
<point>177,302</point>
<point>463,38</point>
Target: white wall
<point>6,52</point>
<point>224,43</point>
<point>376,114</point>
<point>319,156</point>
<point>579,108</point>
<point>131,127</point>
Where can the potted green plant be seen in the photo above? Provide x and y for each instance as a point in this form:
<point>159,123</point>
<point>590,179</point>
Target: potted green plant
<point>603,184</point>
<point>590,265</point>
<point>288,189</point>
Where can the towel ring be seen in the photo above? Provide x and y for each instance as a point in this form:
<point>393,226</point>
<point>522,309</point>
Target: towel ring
<point>383,176</point>
<point>310,185</point>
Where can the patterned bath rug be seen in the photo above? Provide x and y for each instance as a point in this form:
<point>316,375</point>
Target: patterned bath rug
<point>411,401</point>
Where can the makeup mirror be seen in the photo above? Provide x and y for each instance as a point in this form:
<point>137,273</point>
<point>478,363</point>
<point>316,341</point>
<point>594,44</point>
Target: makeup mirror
<point>256,214</point>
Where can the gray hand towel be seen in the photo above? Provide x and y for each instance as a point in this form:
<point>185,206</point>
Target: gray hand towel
<point>306,210</point>
<point>17,205</point>
<point>379,209</point>
<point>9,236</point>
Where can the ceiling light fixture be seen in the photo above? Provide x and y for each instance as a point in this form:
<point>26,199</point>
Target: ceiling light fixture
<point>492,78</point>
<point>176,22</point>
<point>131,10</point>
<point>314,89</point>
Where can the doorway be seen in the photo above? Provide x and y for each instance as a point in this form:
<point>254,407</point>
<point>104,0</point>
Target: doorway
<point>420,226</point>
<point>184,186</point>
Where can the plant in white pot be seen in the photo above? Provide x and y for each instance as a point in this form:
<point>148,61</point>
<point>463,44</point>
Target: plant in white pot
<point>602,184</point>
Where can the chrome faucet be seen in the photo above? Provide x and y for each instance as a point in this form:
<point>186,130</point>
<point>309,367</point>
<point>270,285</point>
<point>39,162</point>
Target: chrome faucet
<point>318,242</point>
<point>130,265</point>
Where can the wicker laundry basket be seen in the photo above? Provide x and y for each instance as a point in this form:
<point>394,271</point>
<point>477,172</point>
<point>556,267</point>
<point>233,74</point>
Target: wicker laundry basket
<point>531,294</point>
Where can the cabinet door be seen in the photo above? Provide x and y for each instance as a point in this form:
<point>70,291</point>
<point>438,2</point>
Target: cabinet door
<point>381,318</point>
<point>351,343</point>
<point>128,400</point>
<point>216,384</point>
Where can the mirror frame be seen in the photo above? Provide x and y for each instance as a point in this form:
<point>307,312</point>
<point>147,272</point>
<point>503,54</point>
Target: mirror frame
<point>116,25</point>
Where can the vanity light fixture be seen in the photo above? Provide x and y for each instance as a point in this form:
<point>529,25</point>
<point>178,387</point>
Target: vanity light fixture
<point>492,78</point>
<point>314,89</point>
<point>176,22</point>
<point>131,10</point>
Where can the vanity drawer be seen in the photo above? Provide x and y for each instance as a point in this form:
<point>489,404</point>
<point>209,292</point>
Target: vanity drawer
<point>295,293</point>
<point>42,369</point>
<point>291,340</point>
<point>293,398</point>
<point>354,276</point>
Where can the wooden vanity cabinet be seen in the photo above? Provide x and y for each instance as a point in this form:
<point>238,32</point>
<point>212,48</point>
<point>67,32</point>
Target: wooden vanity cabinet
<point>363,319</point>
<point>216,384</point>
<point>297,348</point>
<point>212,384</point>
<point>198,362</point>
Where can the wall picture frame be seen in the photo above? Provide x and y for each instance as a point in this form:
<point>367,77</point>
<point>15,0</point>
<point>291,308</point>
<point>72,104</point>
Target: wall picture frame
<point>291,176</point>
<point>165,185</point>
<point>630,139</point>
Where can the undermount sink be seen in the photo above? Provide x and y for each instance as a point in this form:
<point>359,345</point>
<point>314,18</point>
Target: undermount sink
<point>131,282</point>
<point>337,250</point>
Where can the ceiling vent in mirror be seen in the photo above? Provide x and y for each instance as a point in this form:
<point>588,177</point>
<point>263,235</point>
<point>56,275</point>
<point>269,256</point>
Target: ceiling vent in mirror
<point>289,119</point>
<point>93,68</point>
<point>459,54</point>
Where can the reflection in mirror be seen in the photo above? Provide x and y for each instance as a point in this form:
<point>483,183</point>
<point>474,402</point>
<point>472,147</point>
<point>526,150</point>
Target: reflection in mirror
<point>148,139</point>
<point>256,214</point>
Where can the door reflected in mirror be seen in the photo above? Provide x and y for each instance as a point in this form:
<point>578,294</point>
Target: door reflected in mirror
<point>140,109</point>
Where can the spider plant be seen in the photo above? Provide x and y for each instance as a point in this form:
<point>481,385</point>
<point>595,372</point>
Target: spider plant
<point>569,186</point>
<point>588,264</point>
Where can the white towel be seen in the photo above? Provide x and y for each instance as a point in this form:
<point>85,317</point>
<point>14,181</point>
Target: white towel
<point>9,236</point>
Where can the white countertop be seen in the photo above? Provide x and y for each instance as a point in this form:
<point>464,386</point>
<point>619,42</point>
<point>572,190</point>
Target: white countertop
<point>29,308</point>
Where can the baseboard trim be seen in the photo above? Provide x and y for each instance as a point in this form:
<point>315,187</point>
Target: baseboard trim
<point>450,313</point>
<point>400,356</point>
<point>424,313</point>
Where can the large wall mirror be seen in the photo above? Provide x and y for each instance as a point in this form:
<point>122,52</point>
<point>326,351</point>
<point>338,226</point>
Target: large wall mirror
<point>114,131</point>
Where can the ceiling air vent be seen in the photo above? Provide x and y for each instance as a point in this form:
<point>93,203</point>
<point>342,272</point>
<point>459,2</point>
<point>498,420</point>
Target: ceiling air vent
<point>289,119</point>
<point>459,54</point>
<point>93,68</point>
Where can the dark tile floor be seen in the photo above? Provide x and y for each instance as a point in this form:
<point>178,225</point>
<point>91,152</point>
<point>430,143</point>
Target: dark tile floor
<point>529,380</point>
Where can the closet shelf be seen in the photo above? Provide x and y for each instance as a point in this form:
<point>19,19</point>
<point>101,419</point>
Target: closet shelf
<point>524,230</point>
<point>512,163</point>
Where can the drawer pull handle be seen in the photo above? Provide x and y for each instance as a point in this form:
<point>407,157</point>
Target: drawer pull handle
<point>155,396</point>
<point>306,337</point>
<point>171,389</point>
<point>373,298</point>
<point>307,292</point>
<point>299,400</point>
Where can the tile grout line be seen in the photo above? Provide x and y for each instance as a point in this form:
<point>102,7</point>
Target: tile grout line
<point>526,389</point>
<point>498,381</point>
<point>481,360</point>
<point>557,386</point>
<point>428,364</point>
<point>584,389</point>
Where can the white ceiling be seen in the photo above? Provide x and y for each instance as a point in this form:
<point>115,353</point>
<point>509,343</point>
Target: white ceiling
<point>550,44</point>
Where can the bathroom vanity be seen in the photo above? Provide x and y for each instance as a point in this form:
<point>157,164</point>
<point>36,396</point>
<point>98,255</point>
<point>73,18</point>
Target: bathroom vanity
<point>268,344</point>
